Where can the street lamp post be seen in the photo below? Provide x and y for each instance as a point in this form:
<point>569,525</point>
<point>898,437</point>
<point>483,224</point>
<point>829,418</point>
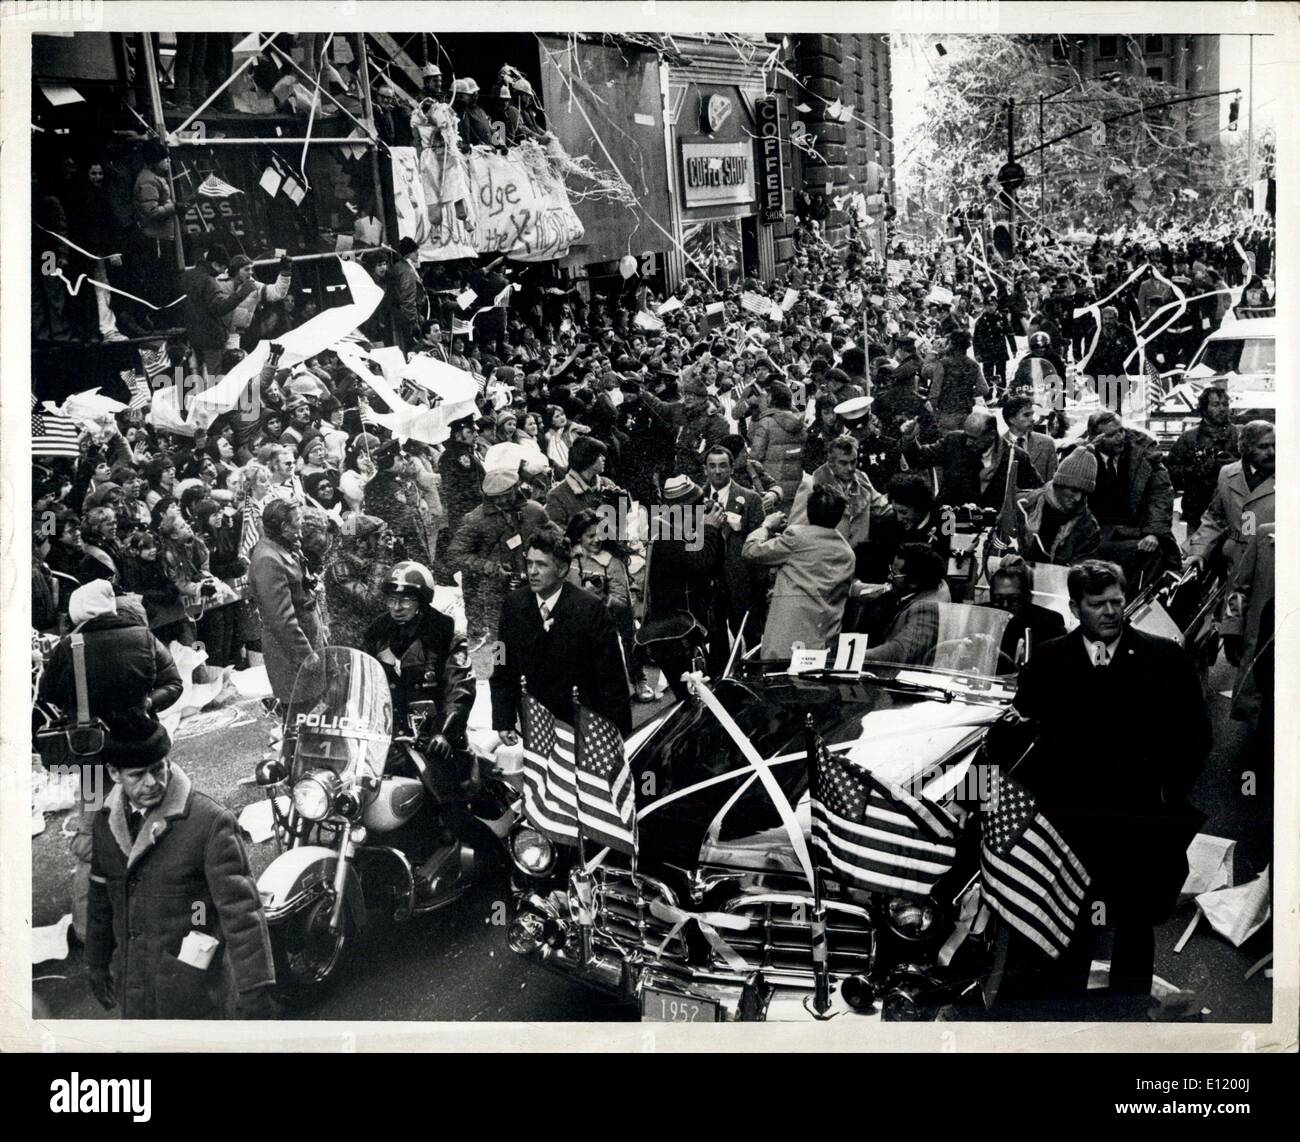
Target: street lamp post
<point>1042,152</point>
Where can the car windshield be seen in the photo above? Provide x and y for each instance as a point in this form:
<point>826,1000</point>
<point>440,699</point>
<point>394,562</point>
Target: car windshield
<point>1238,355</point>
<point>959,640</point>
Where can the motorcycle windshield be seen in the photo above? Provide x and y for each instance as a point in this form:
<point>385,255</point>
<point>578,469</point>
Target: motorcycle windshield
<point>340,714</point>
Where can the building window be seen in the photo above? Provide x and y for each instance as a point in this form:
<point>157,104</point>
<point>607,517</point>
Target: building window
<point>1060,48</point>
<point>1156,73</point>
<point>1107,47</point>
<point>1154,45</point>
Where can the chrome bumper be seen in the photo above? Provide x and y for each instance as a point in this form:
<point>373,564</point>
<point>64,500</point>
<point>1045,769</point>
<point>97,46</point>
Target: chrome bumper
<point>560,945</point>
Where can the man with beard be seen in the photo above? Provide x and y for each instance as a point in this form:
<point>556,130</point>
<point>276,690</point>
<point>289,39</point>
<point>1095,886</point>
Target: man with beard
<point>1054,524</point>
<point>1243,500</point>
<point>1197,456</point>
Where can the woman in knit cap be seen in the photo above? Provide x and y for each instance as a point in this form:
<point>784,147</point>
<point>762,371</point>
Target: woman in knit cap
<point>312,460</point>
<point>1055,523</point>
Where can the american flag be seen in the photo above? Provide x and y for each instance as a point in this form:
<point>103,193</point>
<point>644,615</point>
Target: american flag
<point>1031,877</point>
<point>53,434</point>
<point>879,836</point>
<point>606,794</point>
<point>155,362</point>
<point>213,187</point>
<point>138,387</point>
<point>549,776</point>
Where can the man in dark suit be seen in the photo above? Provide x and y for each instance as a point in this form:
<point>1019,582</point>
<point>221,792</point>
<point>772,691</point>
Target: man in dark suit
<point>741,587</point>
<point>556,636</point>
<point>972,461</point>
<point>1011,588</point>
<point>1115,793</point>
<point>405,296</point>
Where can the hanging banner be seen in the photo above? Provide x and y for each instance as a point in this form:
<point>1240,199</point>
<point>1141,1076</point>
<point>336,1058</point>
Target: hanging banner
<point>514,204</point>
<point>408,196</point>
<point>446,196</point>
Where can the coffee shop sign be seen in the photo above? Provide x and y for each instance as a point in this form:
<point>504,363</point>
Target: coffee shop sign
<point>715,173</point>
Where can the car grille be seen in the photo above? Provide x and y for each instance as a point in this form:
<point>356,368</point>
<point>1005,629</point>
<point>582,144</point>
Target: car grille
<point>623,913</point>
<point>779,938</point>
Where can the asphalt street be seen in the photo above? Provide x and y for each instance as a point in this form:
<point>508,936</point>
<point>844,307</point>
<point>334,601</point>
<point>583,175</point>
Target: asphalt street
<point>455,964</point>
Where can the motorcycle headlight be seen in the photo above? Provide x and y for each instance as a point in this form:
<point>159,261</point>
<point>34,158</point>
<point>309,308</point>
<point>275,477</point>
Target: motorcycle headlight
<point>532,852</point>
<point>313,795</point>
<point>911,919</point>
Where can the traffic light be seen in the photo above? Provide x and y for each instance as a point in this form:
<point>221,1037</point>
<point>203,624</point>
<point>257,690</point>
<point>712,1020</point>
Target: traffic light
<point>1234,109</point>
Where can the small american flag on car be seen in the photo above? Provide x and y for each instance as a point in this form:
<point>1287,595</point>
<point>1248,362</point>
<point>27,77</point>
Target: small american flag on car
<point>875,834</point>
<point>1031,877</point>
<point>549,777</point>
<point>606,795</point>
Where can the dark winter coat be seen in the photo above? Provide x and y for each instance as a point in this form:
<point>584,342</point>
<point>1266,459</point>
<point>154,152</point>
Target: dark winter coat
<point>124,665</point>
<point>206,303</point>
<point>959,467</point>
<point>462,481</point>
<point>778,439</point>
<point>993,339</point>
<point>1119,799</point>
<point>580,650</point>
<point>434,667</point>
<point>186,871</point>
<point>1148,498</point>
<point>290,630</point>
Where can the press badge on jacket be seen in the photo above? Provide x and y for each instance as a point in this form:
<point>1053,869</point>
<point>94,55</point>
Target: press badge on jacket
<point>514,541</point>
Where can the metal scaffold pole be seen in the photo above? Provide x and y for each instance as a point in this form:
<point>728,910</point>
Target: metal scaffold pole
<point>368,114</point>
<point>156,107</point>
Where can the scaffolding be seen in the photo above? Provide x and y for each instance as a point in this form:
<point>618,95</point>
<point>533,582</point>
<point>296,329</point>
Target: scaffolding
<point>176,140</point>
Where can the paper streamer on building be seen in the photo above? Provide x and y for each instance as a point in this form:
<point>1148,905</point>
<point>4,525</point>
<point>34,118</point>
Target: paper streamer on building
<point>516,204</point>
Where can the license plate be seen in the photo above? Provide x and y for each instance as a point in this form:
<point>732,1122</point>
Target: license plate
<point>668,1007</point>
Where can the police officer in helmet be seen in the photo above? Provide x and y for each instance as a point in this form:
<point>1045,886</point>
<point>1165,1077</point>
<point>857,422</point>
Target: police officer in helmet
<point>425,660</point>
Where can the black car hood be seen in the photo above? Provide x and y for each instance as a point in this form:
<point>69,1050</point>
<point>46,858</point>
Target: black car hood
<point>697,795</point>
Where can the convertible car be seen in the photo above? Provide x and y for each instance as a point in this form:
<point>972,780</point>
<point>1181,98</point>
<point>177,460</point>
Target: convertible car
<point>711,917</point>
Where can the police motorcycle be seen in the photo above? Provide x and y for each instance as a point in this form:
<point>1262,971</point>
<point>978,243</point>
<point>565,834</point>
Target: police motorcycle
<point>374,816</point>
